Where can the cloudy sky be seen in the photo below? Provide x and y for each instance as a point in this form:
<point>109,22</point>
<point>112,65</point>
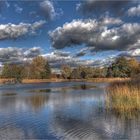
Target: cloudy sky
<point>90,32</point>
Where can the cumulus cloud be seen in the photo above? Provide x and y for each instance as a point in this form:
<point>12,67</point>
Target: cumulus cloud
<point>131,53</point>
<point>48,9</point>
<point>116,7</point>
<point>134,11</point>
<point>13,31</point>
<point>83,51</point>
<point>96,35</point>
<point>111,21</point>
<point>59,58</point>
<point>56,61</point>
<point>119,38</point>
<point>18,55</point>
<point>76,32</point>
<point>32,52</point>
<point>61,53</point>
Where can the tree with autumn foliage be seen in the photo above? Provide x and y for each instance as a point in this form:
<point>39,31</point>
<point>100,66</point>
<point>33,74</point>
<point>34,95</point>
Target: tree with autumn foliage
<point>40,68</point>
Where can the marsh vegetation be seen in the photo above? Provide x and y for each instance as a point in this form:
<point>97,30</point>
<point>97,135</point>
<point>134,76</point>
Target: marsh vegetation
<point>123,98</point>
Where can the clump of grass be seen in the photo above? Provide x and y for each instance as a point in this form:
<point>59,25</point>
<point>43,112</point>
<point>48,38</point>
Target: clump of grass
<point>123,98</point>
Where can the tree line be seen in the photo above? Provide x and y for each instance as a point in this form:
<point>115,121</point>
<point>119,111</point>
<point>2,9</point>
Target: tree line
<point>39,68</point>
<point>122,67</point>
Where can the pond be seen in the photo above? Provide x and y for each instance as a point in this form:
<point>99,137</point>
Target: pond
<point>61,111</point>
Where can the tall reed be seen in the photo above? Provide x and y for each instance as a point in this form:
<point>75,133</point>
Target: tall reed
<point>124,97</point>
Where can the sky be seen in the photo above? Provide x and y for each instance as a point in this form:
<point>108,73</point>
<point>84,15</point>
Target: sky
<point>72,32</point>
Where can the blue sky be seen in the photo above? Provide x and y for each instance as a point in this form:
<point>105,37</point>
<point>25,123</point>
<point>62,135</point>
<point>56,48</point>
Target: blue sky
<point>90,32</point>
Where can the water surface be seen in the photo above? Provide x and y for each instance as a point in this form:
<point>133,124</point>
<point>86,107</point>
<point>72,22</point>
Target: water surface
<point>55,111</point>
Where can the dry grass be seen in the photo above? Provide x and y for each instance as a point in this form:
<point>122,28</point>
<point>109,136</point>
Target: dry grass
<point>28,81</point>
<point>107,79</point>
<point>4,80</point>
<point>124,97</point>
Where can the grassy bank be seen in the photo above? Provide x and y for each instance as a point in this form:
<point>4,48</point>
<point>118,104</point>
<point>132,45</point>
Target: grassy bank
<point>29,81</point>
<point>124,97</point>
<point>109,80</point>
<point>6,80</point>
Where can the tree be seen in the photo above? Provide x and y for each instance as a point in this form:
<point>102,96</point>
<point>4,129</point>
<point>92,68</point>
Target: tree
<point>66,71</point>
<point>13,71</point>
<point>17,72</point>
<point>83,74</point>
<point>133,66</point>
<point>6,71</point>
<point>120,68</point>
<point>40,68</point>
<point>47,71</point>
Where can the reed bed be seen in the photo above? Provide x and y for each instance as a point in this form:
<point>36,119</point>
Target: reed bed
<point>123,98</point>
<point>108,80</point>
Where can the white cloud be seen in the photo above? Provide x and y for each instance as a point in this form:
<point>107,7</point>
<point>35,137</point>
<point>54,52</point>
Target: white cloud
<point>48,9</point>
<point>13,31</point>
<point>18,55</point>
<point>76,32</point>
<point>56,61</point>
<point>134,11</point>
<point>93,7</point>
<point>111,21</point>
<point>96,35</point>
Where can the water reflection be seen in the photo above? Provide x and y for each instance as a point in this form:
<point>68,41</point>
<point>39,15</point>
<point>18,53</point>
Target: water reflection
<point>38,101</point>
<point>63,113</point>
<point>9,94</point>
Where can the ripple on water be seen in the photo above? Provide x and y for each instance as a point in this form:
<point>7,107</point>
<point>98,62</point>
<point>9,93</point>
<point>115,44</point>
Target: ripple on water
<point>62,113</point>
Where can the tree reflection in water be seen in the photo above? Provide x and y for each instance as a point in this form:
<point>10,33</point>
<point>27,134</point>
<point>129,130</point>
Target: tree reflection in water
<point>38,100</point>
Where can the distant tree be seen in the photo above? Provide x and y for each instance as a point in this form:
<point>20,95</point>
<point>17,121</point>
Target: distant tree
<point>88,72</point>
<point>133,66</point>
<point>27,71</point>
<point>120,68</point>
<point>13,71</point>
<point>74,74</point>
<point>66,71</point>
<point>47,71</point>
<point>83,74</point>
<point>40,68</point>
<point>99,72</point>
<point>17,72</point>
<point>6,71</point>
<point>37,67</point>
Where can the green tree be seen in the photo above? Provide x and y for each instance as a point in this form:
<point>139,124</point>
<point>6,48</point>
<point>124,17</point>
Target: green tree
<point>120,68</point>
<point>6,71</point>
<point>13,71</point>
<point>47,71</point>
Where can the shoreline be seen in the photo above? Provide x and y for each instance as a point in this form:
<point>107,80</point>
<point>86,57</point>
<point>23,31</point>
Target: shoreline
<point>32,81</point>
